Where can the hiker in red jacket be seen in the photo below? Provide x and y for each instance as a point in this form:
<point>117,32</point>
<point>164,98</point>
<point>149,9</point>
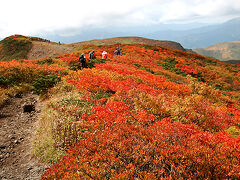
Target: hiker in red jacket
<point>92,55</point>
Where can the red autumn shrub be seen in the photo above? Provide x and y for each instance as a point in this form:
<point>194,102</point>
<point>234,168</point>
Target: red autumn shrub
<point>148,123</point>
<point>164,149</point>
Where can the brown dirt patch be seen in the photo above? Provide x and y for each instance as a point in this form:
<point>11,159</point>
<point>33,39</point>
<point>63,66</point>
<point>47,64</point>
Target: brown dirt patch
<point>48,49</point>
<point>17,130</point>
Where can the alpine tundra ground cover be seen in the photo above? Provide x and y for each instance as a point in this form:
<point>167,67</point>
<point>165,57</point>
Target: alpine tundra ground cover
<point>151,113</point>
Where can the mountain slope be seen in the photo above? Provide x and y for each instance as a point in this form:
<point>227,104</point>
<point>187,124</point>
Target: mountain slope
<point>141,115</point>
<point>14,47</point>
<point>132,40</point>
<point>24,47</point>
<point>223,51</point>
<point>46,49</point>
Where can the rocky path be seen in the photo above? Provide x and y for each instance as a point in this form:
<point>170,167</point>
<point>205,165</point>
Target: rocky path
<point>18,119</point>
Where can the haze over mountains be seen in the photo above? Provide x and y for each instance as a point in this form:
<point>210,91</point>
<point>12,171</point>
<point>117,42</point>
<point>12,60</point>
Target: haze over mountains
<point>190,36</point>
<point>220,41</point>
<point>203,36</point>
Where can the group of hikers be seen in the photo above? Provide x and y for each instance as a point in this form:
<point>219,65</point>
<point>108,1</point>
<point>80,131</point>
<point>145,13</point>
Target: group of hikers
<point>92,55</point>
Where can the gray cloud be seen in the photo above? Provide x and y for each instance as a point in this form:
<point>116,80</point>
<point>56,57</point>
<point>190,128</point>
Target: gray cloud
<point>70,17</point>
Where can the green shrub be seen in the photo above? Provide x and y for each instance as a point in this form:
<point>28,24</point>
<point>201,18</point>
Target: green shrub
<point>101,94</point>
<point>147,69</point>
<point>47,61</point>
<point>43,83</point>
<point>74,66</point>
<point>170,66</point>
<point>208,61</point>
<point>138,65</point>
<point>91,63</point>
<point>6,82</point>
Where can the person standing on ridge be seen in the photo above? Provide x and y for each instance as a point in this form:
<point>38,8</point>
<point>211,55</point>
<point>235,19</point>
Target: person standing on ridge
<point>82,61</point>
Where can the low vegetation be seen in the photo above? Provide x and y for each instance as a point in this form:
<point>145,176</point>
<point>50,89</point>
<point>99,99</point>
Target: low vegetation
<point>151,113</point>
<point>14,47</point>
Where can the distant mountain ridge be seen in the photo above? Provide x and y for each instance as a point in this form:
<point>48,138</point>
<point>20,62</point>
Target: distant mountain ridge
<point>24,47</point>
<point>133,40</point>
<point>203,36</point>
<point>190,37</point>
<point>233,62</point>
<point>223,51</point>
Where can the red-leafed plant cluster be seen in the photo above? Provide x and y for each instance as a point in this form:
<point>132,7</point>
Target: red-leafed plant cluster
<point>155,113</point>
<point>120,143</point>
<point>186,68</point>
<point>149,113</point>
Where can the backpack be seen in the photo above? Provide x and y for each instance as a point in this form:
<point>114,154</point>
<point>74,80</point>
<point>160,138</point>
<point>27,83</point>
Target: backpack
<point>82,59</point>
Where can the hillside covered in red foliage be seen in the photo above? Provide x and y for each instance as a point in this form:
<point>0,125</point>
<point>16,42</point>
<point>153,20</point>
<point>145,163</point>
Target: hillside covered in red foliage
<point>150,113</point>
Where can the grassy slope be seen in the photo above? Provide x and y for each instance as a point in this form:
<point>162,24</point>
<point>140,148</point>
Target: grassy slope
<point>24,47</point>
<point>222,51</point>
<point>14,47</point>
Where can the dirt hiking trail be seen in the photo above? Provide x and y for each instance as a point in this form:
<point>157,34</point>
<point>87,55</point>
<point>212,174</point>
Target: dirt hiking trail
<point>18,119</point>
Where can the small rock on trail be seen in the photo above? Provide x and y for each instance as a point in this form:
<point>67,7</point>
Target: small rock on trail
<point>17,128</point>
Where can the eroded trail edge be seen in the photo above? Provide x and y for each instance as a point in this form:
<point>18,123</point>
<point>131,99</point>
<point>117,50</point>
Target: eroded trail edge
<point>18,118</point>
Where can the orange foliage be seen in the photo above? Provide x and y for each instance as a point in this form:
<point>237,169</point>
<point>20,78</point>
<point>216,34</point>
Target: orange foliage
<point>157,114</point>
<point>148,126</point>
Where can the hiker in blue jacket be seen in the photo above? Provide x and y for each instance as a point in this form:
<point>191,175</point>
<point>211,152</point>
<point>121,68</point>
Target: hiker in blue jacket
<point>117,52</point>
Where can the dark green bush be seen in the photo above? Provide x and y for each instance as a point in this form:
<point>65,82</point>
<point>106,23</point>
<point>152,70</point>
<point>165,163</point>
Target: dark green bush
<point>6,82</point>
<point>147,69</point>
<point>43,83</point>
<point>208,61</point>
<point>102,94</point>
<point>91,63</point>
<point>169,65</point>
<point>138,65</point>
<point>48,61</point>
<point>74,66</point>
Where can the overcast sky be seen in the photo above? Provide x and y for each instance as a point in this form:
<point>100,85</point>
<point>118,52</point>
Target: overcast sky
<point>30,17</point>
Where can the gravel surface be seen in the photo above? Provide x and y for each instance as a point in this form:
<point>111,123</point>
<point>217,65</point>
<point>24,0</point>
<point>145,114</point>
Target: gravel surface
<point>17,127</point>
